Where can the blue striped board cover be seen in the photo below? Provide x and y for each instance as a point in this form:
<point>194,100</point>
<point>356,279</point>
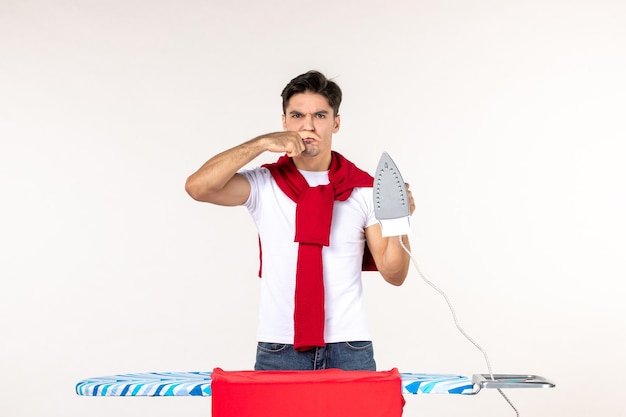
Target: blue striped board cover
<point>157,384</point>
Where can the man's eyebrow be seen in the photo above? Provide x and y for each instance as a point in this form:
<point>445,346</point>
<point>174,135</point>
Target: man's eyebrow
<point>317,112</point>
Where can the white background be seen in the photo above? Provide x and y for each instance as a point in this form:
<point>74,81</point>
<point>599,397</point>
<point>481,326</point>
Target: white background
<point>506,117</point>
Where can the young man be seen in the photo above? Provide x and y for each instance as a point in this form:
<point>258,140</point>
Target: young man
<point>314,213</point>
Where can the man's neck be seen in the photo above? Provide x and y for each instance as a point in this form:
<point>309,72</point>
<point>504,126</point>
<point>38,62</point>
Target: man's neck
<point>314,163</point>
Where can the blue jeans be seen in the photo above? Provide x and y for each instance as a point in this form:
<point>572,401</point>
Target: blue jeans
<point>349,356</point>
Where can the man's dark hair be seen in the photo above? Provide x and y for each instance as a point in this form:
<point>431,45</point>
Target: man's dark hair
<point>314,82</point>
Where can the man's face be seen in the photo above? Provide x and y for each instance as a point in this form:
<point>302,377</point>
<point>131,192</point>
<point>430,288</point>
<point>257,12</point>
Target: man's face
<point>310,112</point>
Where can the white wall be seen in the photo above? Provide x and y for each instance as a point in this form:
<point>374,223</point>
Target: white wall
<point>506,117</point>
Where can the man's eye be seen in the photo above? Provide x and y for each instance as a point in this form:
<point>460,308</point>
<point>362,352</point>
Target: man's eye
<point>320,115</point>
<point>296,115</point>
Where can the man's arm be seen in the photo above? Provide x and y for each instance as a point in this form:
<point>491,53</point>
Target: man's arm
<point>391,259</point>
<point>218,182</point>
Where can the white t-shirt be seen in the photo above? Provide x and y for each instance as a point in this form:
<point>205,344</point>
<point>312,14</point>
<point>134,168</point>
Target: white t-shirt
<point>274,214</point>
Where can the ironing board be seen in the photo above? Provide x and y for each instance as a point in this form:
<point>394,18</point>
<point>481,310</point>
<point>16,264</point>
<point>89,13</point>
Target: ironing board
<point>156,384</point>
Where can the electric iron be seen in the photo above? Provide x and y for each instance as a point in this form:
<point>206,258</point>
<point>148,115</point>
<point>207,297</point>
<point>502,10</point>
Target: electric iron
<point>391,201</point>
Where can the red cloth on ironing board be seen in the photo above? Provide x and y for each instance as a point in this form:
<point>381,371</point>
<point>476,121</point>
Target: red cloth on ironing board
<point>314,211</point>
<point>323,393</point>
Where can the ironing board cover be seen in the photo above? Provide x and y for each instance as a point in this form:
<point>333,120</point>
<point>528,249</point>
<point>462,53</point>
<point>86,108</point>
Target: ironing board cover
<point>155,384</point>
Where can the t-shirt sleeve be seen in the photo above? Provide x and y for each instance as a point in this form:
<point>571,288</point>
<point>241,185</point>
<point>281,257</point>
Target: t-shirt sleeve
<point>258,178</point>
<point>366,195</point>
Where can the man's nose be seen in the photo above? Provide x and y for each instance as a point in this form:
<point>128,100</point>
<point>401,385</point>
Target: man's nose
<point>308,123</point>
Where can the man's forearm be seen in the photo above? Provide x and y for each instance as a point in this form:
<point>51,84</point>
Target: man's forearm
<point>215,173</point>
<point>208,182</point>
<point>395,261</point>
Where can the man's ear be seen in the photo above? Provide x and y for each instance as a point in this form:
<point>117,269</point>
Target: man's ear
<point>284,122</point>
<point>337,124</point>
